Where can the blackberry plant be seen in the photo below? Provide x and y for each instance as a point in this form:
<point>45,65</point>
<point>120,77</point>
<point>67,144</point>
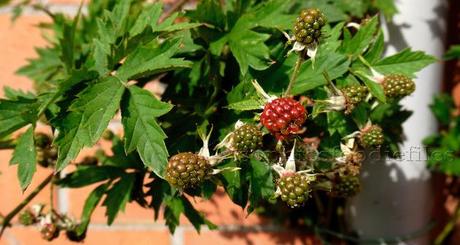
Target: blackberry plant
<point>269,115</point>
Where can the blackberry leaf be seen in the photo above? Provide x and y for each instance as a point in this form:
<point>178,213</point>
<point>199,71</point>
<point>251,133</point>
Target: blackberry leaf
<point>142,133</point>
<point>88,118</point>
<point>406,62</point>
<point>25,156</point>
<point>118,196</point>
<point>152,59</point>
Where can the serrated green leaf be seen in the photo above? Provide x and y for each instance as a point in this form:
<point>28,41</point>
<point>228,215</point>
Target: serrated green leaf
<point>310,77</point>
<point>168,25</point>
<point>15,114</point>
<point>120,14</point>
<point>90,205</point>
<point>89,116</point>
<point>262,186</point>
<point>376,50</point>
<point>388,7</point>
<point>142,133</point>
<point>235,184</point>
<point>442,108</point>
<point>152,59</point>
<point>148,17</point>
<point>174,207</point>
<point>25,156</point>
<point>247,105</point>
<point>362,39</point>
<point>249,49</point>
<point>118,196</point>
<point>270,14</point>
<point>374,88</point>
<point>406,62</point>
<point>101,52</point>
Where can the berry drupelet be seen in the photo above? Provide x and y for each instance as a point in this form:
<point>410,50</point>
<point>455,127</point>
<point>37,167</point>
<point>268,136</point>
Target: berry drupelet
<point>398,86</point>
<point>307,28</point>
<point>371,136</point>
<point>294,189</point>
<point>283,117</point>
<point>187,170</point>
<point>247,139</point>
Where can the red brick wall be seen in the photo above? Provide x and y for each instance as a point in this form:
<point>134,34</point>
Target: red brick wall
<point>136,225</point>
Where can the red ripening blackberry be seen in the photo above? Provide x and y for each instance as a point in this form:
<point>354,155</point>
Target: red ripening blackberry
<point>187,170</point>
<point>307,28</point>
<point>283,117</point>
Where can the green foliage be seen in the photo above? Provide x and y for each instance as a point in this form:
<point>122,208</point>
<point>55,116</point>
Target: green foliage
<point>98,65</point>
<point>442,148</point>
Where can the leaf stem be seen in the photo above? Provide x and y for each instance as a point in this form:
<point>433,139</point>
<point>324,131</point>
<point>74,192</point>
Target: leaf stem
<point>448,227</point>
<point>7,219</point>
<point>364,61</point>
<point>295,73</point>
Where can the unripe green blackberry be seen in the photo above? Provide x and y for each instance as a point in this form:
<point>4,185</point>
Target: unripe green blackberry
<point>371,137</point>
<point>27,218</point>
<point>247,139</point>
<point>186,170</point>
<point>307,28</point>
<point>347,186</point>
<point>354,95</point>
<point>398,86</point>
<point>294,189</point>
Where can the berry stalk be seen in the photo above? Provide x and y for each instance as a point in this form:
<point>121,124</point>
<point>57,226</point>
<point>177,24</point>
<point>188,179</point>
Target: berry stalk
<point>295,73</point>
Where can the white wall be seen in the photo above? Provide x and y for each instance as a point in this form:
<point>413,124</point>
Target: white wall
<point>396,197</point>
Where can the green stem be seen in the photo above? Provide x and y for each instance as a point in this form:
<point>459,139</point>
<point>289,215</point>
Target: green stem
<point>364,61</point>
<point>7,219</point>
<point>449,227</point>
<point>294,75</point>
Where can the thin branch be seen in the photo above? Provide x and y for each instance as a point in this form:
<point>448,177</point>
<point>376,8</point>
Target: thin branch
<point>449,227</point>
<point>7,219</point>
<point>295,73</point>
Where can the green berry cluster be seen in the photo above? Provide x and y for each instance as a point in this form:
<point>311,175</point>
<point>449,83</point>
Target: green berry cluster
<point>307,29</point>
<point>354,95</point>
<point>371,137</point>
<point>187,170</point>
<point>294,189</point>
<point>398,86</point>
<point>247,139</point>
<point>347,186</point>
<point>27,218</point>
